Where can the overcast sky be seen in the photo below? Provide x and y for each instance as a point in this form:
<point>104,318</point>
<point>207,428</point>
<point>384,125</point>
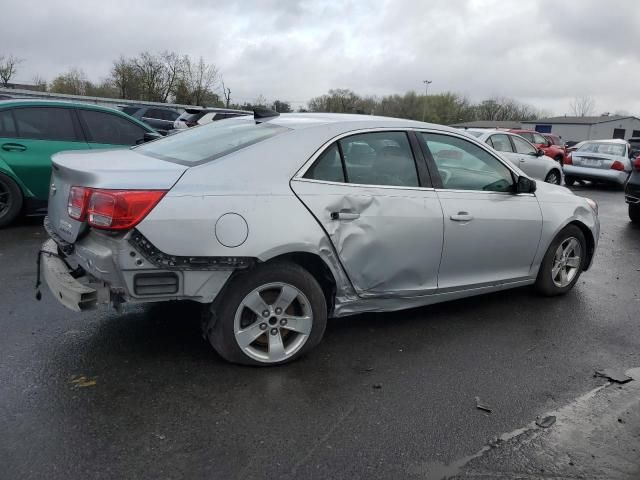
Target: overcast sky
<point>542,52</point>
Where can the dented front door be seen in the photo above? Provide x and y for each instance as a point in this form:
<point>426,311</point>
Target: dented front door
<point>389,239</point>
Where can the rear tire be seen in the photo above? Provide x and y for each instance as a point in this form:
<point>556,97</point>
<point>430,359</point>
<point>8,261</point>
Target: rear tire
<point>554,177</point>
<point>265,334</point>
<point>634,213</point>
<point>567,253</point>
<point>569,181</point>
<point>10,200</point>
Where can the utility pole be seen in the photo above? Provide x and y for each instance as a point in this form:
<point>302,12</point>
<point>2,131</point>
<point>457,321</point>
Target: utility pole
<point>426,94</point>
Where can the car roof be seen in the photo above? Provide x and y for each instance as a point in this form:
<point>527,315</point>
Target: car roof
<point>37,102</point>
<point>607,140</point>
<point>349,121</point>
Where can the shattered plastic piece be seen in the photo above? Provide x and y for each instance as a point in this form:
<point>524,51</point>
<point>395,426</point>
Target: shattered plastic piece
<point>377,386</point>
<point>481,406</point>
<point>80,381</point>
<point>545,422</point>
<point>614,375</point>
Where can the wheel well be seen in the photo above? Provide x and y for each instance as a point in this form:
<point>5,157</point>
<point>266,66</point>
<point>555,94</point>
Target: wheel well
<point>320,271</point>
<point>591,244</point>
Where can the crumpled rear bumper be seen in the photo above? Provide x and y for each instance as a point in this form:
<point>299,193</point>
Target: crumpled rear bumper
<point>69,291</point>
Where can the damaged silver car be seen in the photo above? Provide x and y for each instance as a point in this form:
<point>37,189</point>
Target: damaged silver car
<point>276,222</point>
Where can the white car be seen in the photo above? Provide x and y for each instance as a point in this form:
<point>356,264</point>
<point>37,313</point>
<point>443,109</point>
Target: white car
<point>521,153</point>
<point>192,117</point>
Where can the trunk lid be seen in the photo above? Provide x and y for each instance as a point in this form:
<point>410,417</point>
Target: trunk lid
<point>111,169</point>
<point>596,160</point>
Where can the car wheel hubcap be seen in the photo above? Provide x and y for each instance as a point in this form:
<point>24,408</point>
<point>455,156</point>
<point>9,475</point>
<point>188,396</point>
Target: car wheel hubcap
<point>553,178</point>
<point>273,322</point>
<point>5,199</point>
<point>566,262</point>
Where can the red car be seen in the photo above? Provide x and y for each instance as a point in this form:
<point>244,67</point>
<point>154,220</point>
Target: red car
<point>556,152</point>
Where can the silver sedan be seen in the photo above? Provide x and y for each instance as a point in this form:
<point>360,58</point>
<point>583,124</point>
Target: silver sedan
<point>607,161</point>
<point>275,223</point>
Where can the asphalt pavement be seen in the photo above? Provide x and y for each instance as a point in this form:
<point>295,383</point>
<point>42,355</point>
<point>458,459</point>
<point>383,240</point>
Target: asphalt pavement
<point>140,394</point>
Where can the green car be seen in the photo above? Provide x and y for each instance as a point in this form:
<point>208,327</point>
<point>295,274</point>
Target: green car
<point>33,130</point>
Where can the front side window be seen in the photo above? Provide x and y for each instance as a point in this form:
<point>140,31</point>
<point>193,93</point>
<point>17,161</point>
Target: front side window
<point>110,129</point>
<point>523,147</point>
<point>45,123</point>
<point>208,142</point>
<point>500,142</point>
<point>463,165</point>
<point>7,124</point>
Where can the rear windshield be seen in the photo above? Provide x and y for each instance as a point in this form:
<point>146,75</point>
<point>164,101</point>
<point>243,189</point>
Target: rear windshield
<point>130,110</point>
<point>205,143</point>
<point>605,148</point>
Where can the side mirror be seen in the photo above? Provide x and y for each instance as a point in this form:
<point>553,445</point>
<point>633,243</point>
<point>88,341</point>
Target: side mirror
<point>148,137</point>
<point>525,185</point>
<point>540,153</point>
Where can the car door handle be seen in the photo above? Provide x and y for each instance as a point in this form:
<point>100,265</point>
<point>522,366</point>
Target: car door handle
<point>461,217</point>
<point>344,215</point>
<point>13,147</point>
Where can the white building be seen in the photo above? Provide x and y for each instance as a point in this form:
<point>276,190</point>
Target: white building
<point>587,128</point>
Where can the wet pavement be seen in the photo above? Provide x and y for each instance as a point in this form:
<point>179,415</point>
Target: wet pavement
<point>139,394</point>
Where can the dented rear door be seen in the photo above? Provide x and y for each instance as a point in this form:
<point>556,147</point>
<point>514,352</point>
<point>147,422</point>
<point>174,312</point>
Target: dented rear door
<point>388,237</point>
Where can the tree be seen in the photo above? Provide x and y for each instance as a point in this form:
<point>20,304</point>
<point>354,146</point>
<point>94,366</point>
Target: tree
<point>8,68</point>
<point>39,82</point>
<point>281,107</point>
<point>226,92</point>
<point>582,106</point>
<point>338,100</point>
<point>74,82</point>
<point>200,80</point>
<point>125,78</point>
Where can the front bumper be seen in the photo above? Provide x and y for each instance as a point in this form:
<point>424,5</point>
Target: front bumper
<point>595,174</point>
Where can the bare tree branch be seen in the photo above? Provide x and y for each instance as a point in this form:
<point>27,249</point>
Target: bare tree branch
<point>8,68</point>
<point>582,106</point>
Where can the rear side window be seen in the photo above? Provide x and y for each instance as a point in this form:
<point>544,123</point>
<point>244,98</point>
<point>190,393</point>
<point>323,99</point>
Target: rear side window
<point>500,142</point>
<point>130,110</point>
<point>7,124</point>
<point>328,167</point>
<point>208,142</point>
<point>46,123</point>
<point>107,128</point>
<point>381,158</point>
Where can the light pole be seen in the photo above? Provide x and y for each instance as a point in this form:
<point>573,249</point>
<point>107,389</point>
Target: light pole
<point>426,94</point>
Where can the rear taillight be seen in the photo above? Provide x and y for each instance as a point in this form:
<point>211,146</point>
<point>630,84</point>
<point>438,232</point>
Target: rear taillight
<point>617,165</point>
<point>568,160</point>
<point>636,163</point>
<point>77,204</point>
<point>112,209</point>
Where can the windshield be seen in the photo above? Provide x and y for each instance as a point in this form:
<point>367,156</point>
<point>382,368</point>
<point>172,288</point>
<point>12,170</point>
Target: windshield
<point>604,148</point>
<point>208,142</point>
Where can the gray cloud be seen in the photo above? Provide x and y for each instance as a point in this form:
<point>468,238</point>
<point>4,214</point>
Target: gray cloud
<point>542,52</point>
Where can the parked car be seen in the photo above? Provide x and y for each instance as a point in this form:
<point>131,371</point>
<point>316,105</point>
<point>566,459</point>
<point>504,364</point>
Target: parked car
<point>632,191</point>
<point>604,161</point>
<point>275,223</point>
<point>554,151</point>
<point>33,130</point>
<point>634,143</point>
<point>160,119</point>
<point>521,153</point>
<point>201,116</point>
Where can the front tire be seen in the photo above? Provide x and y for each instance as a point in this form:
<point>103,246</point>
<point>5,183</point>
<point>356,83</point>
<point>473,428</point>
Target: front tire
<point>563,263</point>
<point>554,177</point>
<point>569,181</point>
<point>10,200</point>
<point>270,315</point>
<point>634,213</point>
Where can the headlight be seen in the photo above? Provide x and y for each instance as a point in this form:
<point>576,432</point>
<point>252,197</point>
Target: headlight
<point>593,205</point>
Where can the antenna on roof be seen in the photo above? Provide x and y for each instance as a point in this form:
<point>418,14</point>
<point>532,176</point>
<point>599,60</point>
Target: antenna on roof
<point>259,114</point>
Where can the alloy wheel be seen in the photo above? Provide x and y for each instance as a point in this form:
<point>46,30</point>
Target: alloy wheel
<point>566,262</point>
<point>273,322</point>
<point>553,177</point>
<point>5,198</point>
